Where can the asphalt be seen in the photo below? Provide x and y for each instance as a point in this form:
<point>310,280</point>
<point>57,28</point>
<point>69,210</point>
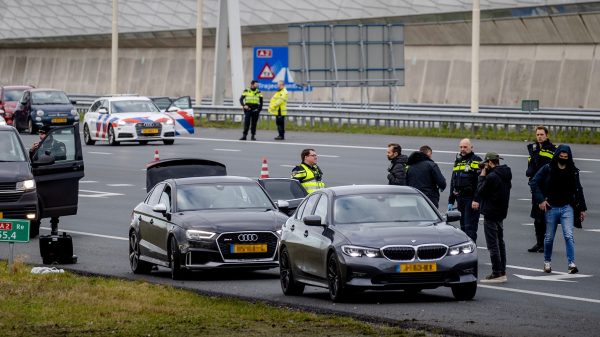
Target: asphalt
<point>531,303</point>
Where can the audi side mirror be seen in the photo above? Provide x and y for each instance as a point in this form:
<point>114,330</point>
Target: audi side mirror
<point>102,111</point>
<point>172,109</point>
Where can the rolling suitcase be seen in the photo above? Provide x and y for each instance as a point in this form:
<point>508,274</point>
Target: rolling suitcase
<point>57,249</point>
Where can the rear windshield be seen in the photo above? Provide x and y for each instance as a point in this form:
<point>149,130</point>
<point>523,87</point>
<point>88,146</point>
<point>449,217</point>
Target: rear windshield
<point>10,147</point>
<point>49,97</point>
<point>133,106</point>
<point>12,95</point>
<point>221,196</point>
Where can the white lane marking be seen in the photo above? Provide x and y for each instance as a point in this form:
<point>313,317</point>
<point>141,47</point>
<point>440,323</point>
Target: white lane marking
<point>484,248</point>
<point>97,194</point>
<point>378,148</point>
<point>539,293</point>
<point>227,150</point>
<point>284,165</point>
<point>592,230</point>
<point>328,156</point>
<point>534,269</point>
<point>527,224</point>
<point>87,181</point>
<point>586,171</point>
<point>524,199</point>
<point>553,278</point>
<point>94,152</point>
<point>444,163</point>
<point>119,185</point>
<point>90,234</point>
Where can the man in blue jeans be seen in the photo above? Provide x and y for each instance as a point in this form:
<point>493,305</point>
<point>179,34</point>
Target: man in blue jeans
<point>557,191</point>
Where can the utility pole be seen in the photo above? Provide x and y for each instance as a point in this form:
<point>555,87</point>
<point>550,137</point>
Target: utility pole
<point>199,17</point>
<point>114,51</point>
<point>475,58</point>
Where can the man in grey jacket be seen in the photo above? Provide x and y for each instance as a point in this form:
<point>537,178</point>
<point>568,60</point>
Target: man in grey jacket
<point>424,174</point>
<point>397,169</point>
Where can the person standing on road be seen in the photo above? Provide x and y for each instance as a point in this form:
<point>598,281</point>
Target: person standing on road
<point>424,174</point>
<point>397,169</point>
<point>308,173</point>
<point>540,154</point>
<point>278,108</point>
<point>557,191</point>
<point>493,193</point>
<point>463,185</point>
<point>252,102</point>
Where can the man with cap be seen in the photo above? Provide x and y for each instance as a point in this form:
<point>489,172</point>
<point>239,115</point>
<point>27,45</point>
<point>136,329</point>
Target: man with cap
<point>48,146</point>
<point>493,194</point>
<point>252,102</point>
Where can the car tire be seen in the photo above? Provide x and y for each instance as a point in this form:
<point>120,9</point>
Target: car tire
<point>168,141</point>
<point>87,137</point>
<point>464,291</point>
<point>111,137</point>
<point>137,266</point>
<point>289,285</point>
<point>337,289</point>
<point>34,228</point>
<point>30,127</point>
<point>177,272</point>
<point>143,142</point>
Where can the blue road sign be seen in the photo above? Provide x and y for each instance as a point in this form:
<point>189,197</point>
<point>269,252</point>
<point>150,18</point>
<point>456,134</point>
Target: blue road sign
<point>270,67</point>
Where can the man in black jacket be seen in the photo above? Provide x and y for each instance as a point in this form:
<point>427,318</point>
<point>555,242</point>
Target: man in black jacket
<point>540,154</point>
<point>397,168</point>
<point>252,102</point>
<point>493,193</point>
<point>424,174</point>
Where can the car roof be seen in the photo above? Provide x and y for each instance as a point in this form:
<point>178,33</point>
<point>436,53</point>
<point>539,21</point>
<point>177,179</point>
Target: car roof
<point>360,189</point>
<point>7,128</point>
<point>44,89</point>
<point>17,87</point>
<point>213,180</point>
<point>125,98</point>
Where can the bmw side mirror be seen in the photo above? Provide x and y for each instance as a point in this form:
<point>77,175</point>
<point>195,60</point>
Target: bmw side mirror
<point>312,220</point>
<point>452,216</point>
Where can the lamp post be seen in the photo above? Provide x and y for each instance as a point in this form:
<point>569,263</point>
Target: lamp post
<point>475,58</point>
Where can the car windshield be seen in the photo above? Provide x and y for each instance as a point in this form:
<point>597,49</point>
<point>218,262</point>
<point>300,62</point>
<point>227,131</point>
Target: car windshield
<point>373,208</point>
<point>10,147</point>
<point>49,97</point>
<point>133,106</point>
<point>283,189</point>
<point>12,95</point>
<point>221,196</point>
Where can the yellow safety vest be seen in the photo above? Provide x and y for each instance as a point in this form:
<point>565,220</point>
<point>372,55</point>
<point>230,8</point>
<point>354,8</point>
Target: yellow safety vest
<point>308,179</point>
<point>252,96</point>
<point>278,103</point>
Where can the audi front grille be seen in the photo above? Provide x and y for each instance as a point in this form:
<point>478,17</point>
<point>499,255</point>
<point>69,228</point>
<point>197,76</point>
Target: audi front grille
<point>227,241</point>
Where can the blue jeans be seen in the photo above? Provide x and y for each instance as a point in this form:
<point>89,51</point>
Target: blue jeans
<point>564,215</point>
<point>469,217</point>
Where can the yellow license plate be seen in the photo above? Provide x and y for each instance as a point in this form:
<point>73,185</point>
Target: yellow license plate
<point>146,131</point>
<point>59,120</point>
<point>417,267</point>
<point>1,215</point>
<point>257,248</point>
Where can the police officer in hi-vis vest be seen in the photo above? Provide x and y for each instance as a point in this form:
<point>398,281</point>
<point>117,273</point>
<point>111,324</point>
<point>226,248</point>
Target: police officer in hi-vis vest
<point>308,173</point>
<point>278,108</point>
<point>252,102</point>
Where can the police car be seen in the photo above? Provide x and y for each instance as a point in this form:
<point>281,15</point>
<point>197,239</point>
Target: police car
<point>127,119</point>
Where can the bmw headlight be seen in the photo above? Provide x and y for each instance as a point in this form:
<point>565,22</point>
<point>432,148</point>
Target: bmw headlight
<point>193,234</point>
<point>26,185</point>
<point>40,113</point>
<point>464,248</point>
<point>356,251</point>
<point>73,112</point>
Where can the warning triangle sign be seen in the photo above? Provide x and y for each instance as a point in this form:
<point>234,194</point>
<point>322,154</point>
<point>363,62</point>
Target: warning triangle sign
<point>266,73</point>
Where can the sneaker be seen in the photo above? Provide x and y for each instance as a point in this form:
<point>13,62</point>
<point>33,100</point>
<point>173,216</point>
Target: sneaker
<point>547,267</point>
<point>573,268</point>
<point>535,248</point>
<point>491,278</point>
<point>243,138</point>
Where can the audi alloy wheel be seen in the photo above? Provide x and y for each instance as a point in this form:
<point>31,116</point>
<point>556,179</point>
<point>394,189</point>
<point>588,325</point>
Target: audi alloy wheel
<point>137,266</point>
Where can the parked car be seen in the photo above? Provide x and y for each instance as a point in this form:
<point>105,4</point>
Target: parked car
<point>180,109</point>
<point>9,97</point>
<point>43,107</point>
<point>43,185</point>
<point>352,238</point>
<point>127,119</point>
<point>209,222</point>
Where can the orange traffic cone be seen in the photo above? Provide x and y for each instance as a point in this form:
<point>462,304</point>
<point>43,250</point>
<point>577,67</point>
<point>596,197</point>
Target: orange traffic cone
<point>264,170</point>
<point>156,157</point>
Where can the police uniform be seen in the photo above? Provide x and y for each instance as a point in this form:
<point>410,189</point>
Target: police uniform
<point>463,185</point>
<point>52,147</point>
<point>309,176</point>
<point>540,154</point>
<point>278,108</point>
<point>253,98</point>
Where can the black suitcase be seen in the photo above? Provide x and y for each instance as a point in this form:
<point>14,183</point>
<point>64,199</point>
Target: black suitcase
<point>57,249</point>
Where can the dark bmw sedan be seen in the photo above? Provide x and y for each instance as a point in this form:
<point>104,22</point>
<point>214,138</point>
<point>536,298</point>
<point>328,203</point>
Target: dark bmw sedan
<point>204,223</point>
<point>351,238</point>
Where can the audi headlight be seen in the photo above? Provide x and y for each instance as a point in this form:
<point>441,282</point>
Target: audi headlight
<point>40,113</point>
<point>193,234</point>
<point>122,122</point>
<point>73,112</point>
<point>169,122</point>
<point>464,248</point>
<point>26,185</point>
<point>356,251</point>
<point>279,232</point>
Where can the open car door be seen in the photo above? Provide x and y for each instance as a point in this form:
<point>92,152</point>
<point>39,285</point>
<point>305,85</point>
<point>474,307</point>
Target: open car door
<point>180,109</point>
<point>285,189</point>
<point>181,168</point>
<point>57,167</point>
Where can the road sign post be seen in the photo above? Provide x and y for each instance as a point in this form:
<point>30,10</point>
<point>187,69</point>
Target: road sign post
<point>12,231</point>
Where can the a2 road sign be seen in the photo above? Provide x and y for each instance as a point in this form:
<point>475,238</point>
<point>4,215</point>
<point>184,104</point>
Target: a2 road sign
<point>14,230</point>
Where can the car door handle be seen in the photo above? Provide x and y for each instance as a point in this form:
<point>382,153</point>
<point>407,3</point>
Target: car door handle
<point>292,228</point>
<point>139,218</point>
<point>152,221</point>
<point>306,233</point>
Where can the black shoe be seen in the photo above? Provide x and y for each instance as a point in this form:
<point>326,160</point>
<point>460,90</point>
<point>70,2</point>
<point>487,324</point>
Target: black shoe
<point>253,138</point>
<point>243,138</point>
<point>541,250</point>
<point>535,248</point>
<point>279,138</point>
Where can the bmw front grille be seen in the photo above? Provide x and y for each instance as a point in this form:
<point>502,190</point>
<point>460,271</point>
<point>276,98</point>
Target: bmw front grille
<point>410,253</point>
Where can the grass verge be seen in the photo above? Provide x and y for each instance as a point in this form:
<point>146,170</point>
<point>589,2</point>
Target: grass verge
<point>71,305</point>
<point>524,134</point>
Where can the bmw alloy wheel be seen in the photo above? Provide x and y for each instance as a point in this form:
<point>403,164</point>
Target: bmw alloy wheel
<point>289,285</point>
<point>337,292</point>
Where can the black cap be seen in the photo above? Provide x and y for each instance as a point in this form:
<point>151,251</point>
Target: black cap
<point>253,81</point>
<point>45,129</point>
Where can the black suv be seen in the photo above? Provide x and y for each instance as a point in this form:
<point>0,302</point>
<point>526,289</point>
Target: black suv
<point>41,184</point>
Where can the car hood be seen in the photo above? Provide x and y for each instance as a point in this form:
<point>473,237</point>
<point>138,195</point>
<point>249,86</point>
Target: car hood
<point>140,117</point>
<point>231,220</point>
<point>383,234</point>
<point>15,171</point>
<point>53,109</point>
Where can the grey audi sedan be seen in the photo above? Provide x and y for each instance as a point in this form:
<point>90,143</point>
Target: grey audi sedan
<point>352,238</point>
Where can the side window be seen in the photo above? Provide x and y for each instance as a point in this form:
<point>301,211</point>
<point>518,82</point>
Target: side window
<point>310,204</point>
<point>59,143</point>
<point>155,196</point>
<point>321,209</point>
<point>105,104</point>
<point>165,198</point>
<point>25,97</point>
<point>300,210</point>
<point>95,106</point>
<point>183,102</point>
